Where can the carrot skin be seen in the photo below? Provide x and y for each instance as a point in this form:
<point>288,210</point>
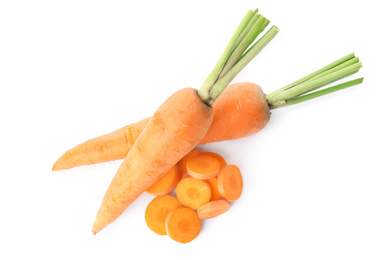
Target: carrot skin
<point>109,147</point>
<point>241,110</point>
<point>177,126</point>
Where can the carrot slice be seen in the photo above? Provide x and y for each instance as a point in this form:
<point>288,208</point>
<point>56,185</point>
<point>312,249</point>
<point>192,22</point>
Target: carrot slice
<point>215,195</point>
<point>183,225</point>
<point>213,209</point>
<point>203,167</point>
<point>182,164</point>
<point>193,193</point>
<point>230,182</point>
<point>166,183</point>
<point>222,162</point>
<point>157,211</point>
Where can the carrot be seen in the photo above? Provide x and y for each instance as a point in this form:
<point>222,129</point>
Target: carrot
<point>183,225</point>
<point>193,193</point>
<point>222,162</point>
<point>166,184</point>
<point>178,125</point>
<point>203,167</point>
<point>230,182</point>
<point>215,195</point>
<point>182,164</point>
<point>157,211</point>
<point>213,209</point>
<point>241,110</point>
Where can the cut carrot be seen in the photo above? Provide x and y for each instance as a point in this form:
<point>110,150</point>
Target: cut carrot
<point>230,182</point>
<point>182,164</point>
<point>157,210</point>
<point>167,183</point>
<point>222,162</point>
<point>213,209</point>
<point>183,225</point>
<point>215,195</point>
<point>203,167</point>
<point>193,193</point>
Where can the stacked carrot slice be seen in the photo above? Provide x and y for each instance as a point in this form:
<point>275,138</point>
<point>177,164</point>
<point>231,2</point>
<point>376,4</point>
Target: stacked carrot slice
<point>204,184</point>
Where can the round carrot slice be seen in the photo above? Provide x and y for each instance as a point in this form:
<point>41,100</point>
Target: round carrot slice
<point>203,167</point>
<point>193,193</point>
<point>157,211</point>
<point>230,182</point>
<point>166,183</point>
<point>215,195</point>
<point>213,209</point>
<point>222,162</point>
<point>183,225</point>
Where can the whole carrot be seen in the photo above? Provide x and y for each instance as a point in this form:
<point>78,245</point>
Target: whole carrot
<point>179,124</point>
<point>241,110</point>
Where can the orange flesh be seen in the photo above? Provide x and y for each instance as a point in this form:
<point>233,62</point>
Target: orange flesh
<point>167,183</point>
<point>213,209</point>
<point>215,195</point>
<point>203,167</point>
<point>157,211</point>
<point>182,164</point>
<point>222,162</point>
<point>183,225</point>
<point>230,182</point>
<point>193,193</point>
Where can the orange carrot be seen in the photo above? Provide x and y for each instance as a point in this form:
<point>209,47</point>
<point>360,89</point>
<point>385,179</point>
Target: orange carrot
<point>213,209</point>
<point>222,162</point>
<point>241,110</point>
<point>193,193</point>
<point>166,183</point>
<point>203,167</point>
<point>182,164</point>
<point>215,195</point>
<point>183,225</point>
<point>179,124</point>
<point>230,182</point>
<point>157,210</point>
<point>175,129</point>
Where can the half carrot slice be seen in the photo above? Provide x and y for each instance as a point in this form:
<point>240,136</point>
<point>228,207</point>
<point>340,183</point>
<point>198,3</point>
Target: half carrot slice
<point>157,211</point>
<point>203,167</point>
<point>230,182</point>
<point>215,195</point>
<point>183,225</point>
<point>213,209</point>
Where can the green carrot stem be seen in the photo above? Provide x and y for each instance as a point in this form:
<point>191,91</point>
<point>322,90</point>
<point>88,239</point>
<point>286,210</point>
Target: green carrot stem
<point>338,67</point>
<point>210,80</point>
<point>222,83</point>
<point>256,29</point>
<point>310,85</point>
<point>316,94</point>
<point>247,28</point>
<point>271,96</point>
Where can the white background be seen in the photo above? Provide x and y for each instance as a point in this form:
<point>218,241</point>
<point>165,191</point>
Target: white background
<point>316,179</point>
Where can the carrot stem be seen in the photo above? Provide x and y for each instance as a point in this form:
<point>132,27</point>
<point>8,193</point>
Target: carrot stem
<point>316,94</point>
<point>271,96</point>
<point>222,83</point>
<point>233,60</point>
<point>314,84</point>
<point>210,80</point>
